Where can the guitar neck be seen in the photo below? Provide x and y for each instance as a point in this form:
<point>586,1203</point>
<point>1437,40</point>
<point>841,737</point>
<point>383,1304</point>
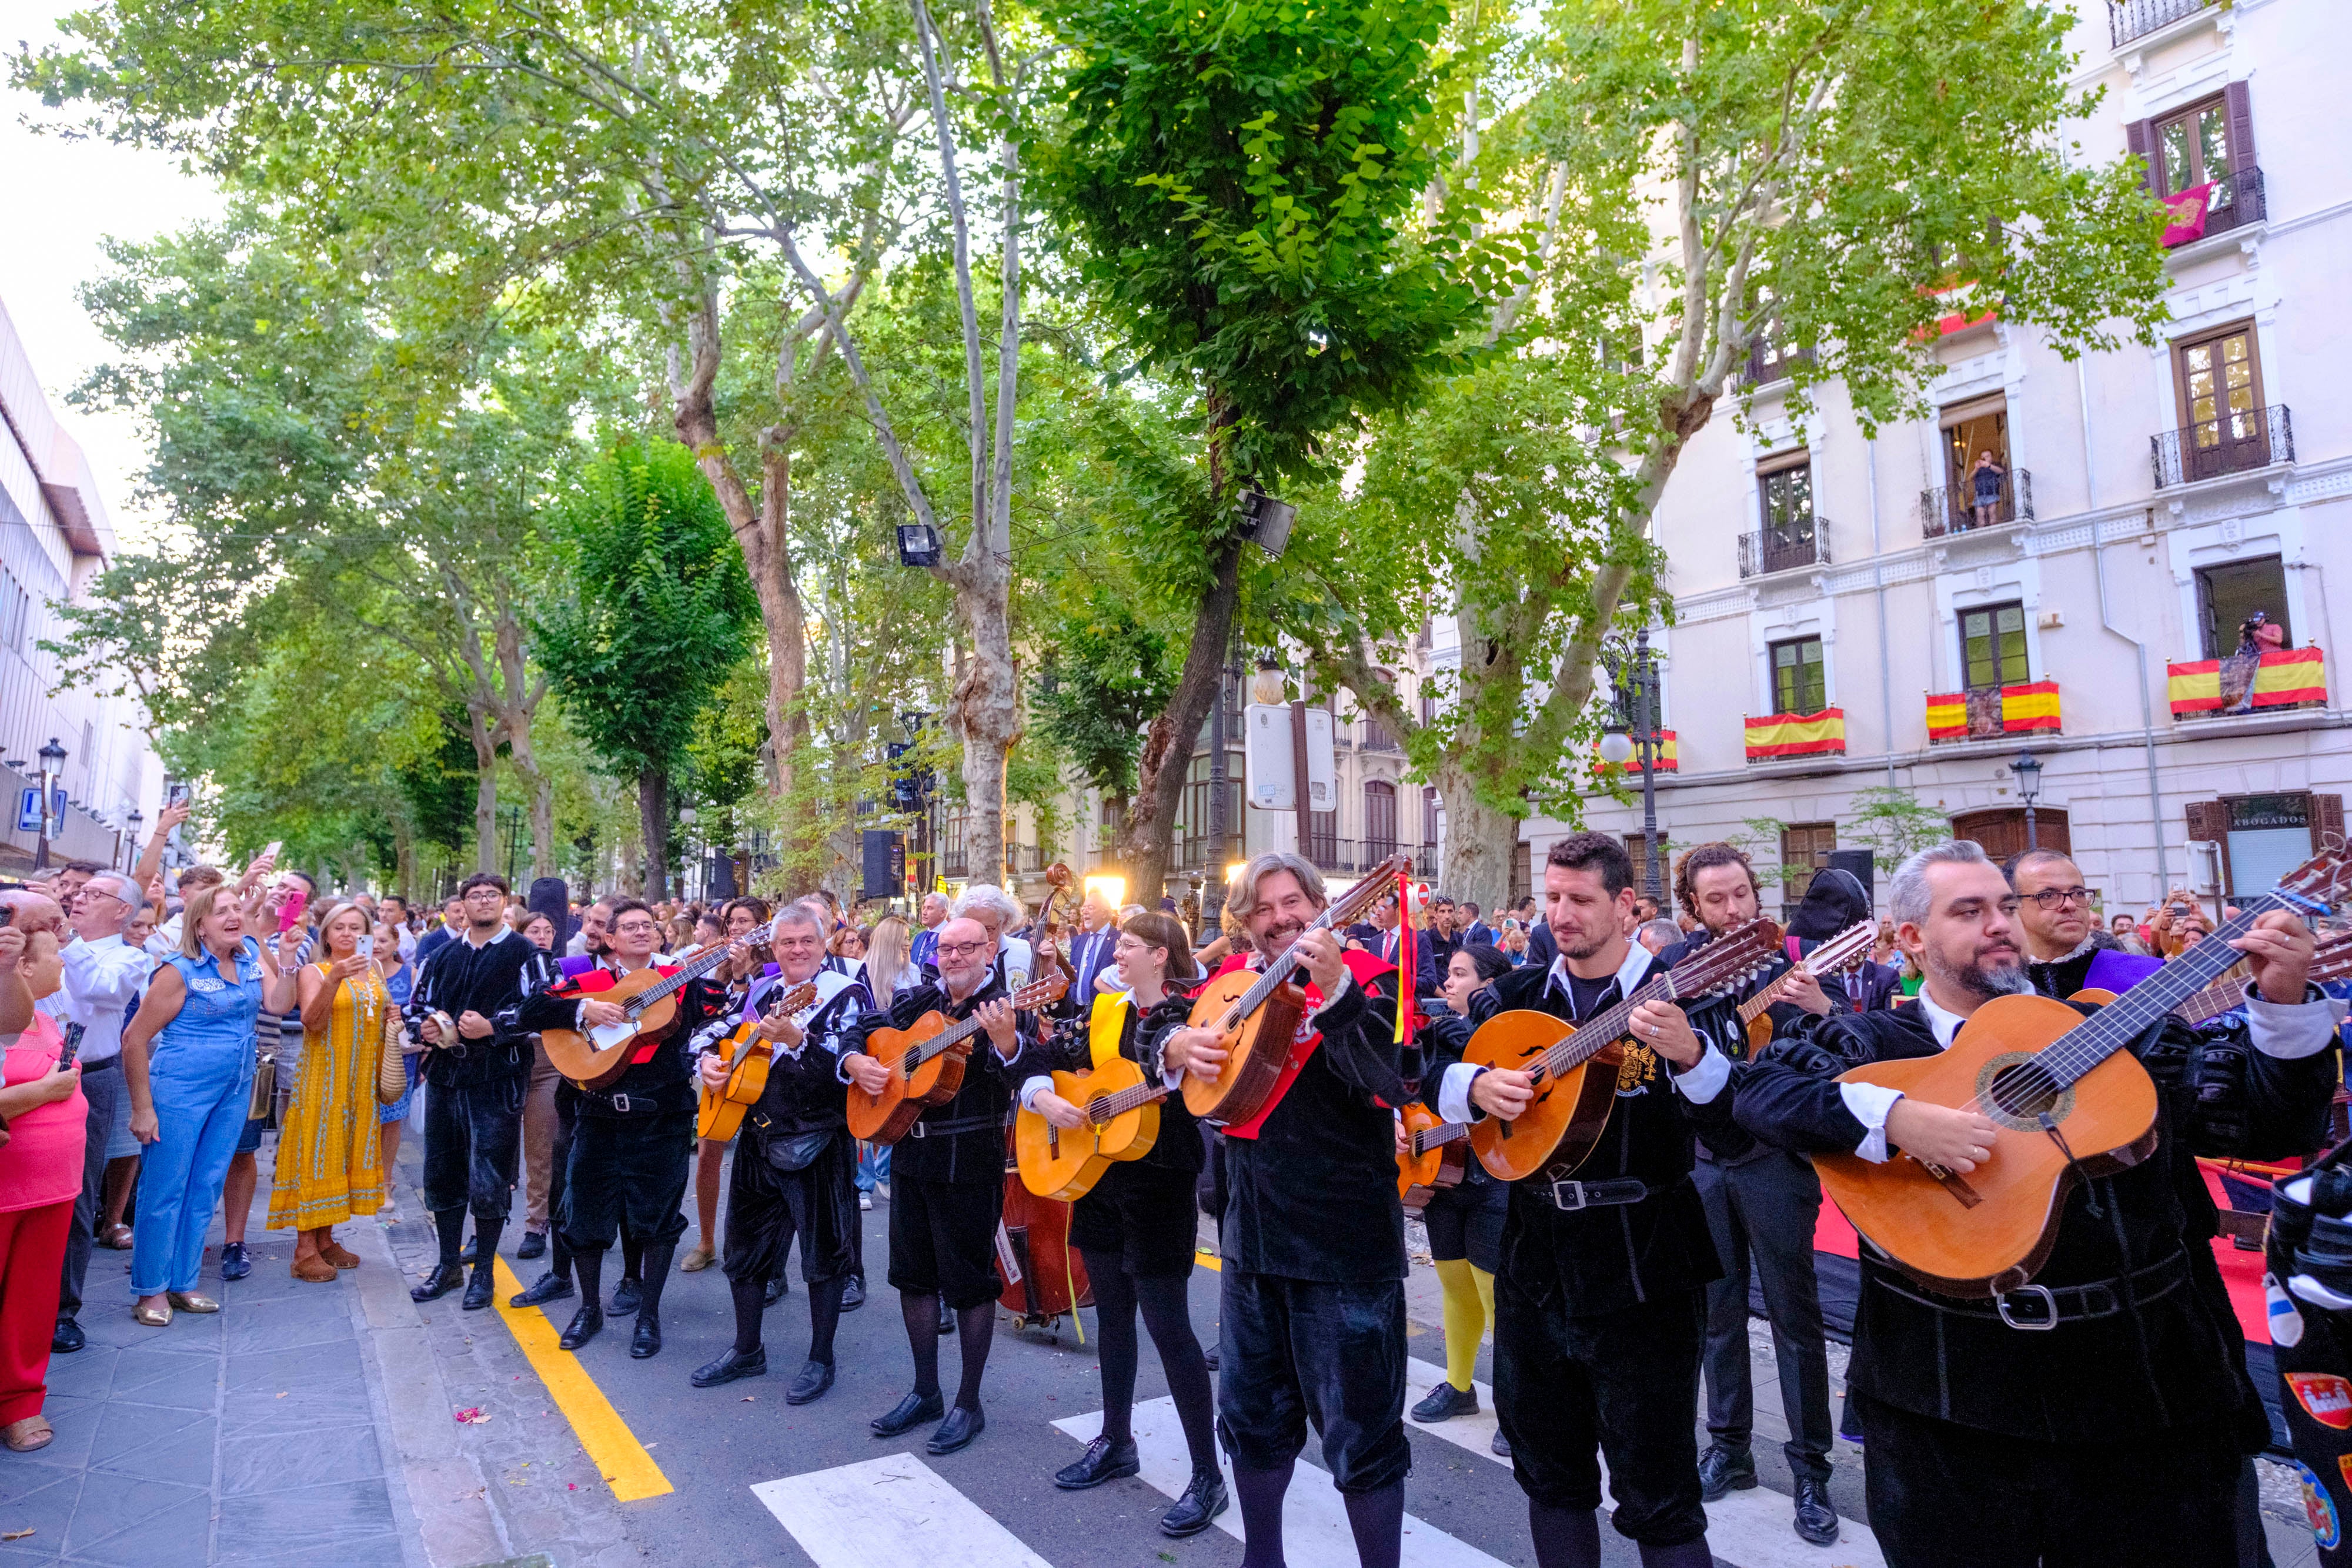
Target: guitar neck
<point>1604,1029</point>
<point>1126,1100</point>
<point>2139,1009</point>
<point>1437,1138</point>
<point>689,973</point>
<point>2224,995</point>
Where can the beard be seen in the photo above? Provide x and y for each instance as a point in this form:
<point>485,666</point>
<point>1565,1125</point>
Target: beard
<point>1275,940</point>
<point>2003,975</point>
<point>1583,946</point>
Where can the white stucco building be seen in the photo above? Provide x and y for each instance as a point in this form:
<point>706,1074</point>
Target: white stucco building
<point>54,537</point>
<point>2148,501</point>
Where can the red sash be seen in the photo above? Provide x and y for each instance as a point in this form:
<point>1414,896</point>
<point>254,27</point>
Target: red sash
<point>589,981</point>
<point>1364,969</point>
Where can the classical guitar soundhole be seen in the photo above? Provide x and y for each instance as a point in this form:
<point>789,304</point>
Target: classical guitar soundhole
<point>2016,1092</point>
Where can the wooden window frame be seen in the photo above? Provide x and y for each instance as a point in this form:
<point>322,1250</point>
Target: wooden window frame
<point>2000,677</point>
<point>2181,349</point>
<point>1772,669</point>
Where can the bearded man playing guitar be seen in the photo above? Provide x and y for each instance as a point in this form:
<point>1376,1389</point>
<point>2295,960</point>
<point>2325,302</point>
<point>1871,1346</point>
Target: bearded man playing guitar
<point>794,1162</point>
<point>947,1184</point>
<point>1313,1277</point>
<point>1766,1199</point>
<point>1599,1310</point>
<point>2099,1415</point>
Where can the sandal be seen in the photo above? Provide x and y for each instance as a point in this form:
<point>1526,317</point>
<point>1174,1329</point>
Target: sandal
<point>116,1238</point>
<point>153,1317</point>
<point>314,1269</point>
<point>24,1437</point>
<point>341,1256</point>
<point>189,1301</point>
<point>695,1262</point>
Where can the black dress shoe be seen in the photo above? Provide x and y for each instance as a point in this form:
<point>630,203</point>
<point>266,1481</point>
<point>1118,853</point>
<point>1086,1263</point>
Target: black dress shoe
<point>1721,1469</point>
<point>729,1367</point>
<point>956,1431</point>
<point>549,1287</point>
<point>911,1412</point>
<point>1817,1521</point>
<point>584,1325</point>
<point>478,1288</point>
<point>814,1379</point>
<point>235,1264</point>
<point>853,1294</point>
<point>1445,1401</point>
<point>777,1290</point>
<point>1201,1502</point>
<point>1498,1445</point>
<point>473,1252</point>
<point>66,1337</point>
<point>1210,1356</point>
<point>1103,1461</point>
<point>628,1297</point>
<point>534,1244</point>
<point>439,1283</point>
<point>646,1340</point>
<point>946,1317</point>
<point>1850,1423</point>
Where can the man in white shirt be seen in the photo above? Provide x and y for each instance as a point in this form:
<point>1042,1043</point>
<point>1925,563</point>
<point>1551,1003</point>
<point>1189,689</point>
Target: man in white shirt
<point>104,977</point>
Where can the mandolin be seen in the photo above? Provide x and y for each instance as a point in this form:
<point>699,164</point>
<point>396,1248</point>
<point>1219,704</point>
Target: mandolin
<point>1258,1013</point>
<point>2331,960</point>
<point>748,1052</point>
<point>1434,1158</point>
<point>1844,951</point>
<point>650,999</point>
<point>2063,1091</point>
<point>1122,1112</point>
<point>926,1061</point>
<point>1576,1067</point>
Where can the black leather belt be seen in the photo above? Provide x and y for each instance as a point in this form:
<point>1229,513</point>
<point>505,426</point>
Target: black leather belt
<point>1571,1195</point>
<point>2039,1308</point>
<point>104,1064</point>
<point>950,1129</point>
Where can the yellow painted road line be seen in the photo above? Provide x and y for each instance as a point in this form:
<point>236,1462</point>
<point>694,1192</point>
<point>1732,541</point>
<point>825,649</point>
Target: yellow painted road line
<point>1208,1260</point>
<point>619,1458</point>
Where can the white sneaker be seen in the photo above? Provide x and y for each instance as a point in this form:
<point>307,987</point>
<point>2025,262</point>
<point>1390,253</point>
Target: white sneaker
<point>866,1201</point>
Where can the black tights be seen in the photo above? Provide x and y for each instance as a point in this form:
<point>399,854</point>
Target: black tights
<point>824,1315</point>
<point>1376,1519</point>
<point>1167,1314</point>
<point>975,1331</point>
<point>1571,1538</point>
<point>449,1230</point>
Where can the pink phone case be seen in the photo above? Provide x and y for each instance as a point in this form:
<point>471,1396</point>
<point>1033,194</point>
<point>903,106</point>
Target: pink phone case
<point>290,916</point>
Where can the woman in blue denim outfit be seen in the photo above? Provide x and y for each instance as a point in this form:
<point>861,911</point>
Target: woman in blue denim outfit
<point>187,1058</point>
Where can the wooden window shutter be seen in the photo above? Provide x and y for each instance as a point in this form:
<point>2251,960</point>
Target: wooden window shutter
<point>2139,139</point>
<point>2327,821</point>
<point>2208,823</point>
<point>2238,101</point>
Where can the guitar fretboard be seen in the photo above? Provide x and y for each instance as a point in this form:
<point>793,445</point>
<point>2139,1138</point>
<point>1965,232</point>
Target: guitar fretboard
<point>2139,1009</point>
<point>1437,1138</point>
<point>1357,899</point>
<point>1126,1100</point>
<point>692,971</point>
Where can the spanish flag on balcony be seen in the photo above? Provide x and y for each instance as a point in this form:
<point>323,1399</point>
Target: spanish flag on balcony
<point>2023,709</point>
<point>1780,735</point>
<point>2286,677</point>
<point>1665,761</point>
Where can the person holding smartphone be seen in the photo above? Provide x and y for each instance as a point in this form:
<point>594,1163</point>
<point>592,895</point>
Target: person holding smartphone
<point>40,1164</point>
<point>328,1153</point>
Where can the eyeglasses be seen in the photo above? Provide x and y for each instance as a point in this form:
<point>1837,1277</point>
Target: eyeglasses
<point>2054,897</point>
<point>636,928</point>
<point>962,949</point>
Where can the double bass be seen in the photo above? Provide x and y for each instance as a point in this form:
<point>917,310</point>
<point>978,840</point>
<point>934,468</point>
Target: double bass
<point>1045,1279</point>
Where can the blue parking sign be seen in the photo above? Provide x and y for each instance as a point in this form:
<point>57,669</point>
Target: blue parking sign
<point>28,810</point>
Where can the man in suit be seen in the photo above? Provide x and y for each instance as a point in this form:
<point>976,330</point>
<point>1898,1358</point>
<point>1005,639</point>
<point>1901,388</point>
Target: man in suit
<point>1474,931</point>
<point>1092,947</point>
<point>1386,940</point>
<point>923,952</point>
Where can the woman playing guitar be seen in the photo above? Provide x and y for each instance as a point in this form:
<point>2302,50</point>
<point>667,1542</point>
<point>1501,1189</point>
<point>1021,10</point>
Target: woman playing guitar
<point>1136,1227</point>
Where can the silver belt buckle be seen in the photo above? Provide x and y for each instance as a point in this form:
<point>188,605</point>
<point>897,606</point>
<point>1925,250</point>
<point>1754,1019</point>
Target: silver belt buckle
<point>2049,1305</point>
<point>1558,1203</point>
<point>916,1131</point>
<point>621,1103</point>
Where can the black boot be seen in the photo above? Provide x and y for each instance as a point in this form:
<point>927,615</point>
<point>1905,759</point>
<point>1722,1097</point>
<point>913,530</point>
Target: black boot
<point>486,1254</point>
<point>647,1339</point>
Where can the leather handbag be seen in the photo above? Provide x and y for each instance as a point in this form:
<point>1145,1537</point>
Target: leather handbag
<point>392,1063</point>
<point>264,1084</point>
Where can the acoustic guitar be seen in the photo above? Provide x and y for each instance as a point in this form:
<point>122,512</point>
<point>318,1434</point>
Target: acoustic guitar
<point>2331,960</point>
<point>1576,1066</point>
<point>648,1002</point>
<point>748,1052</point>
<point>1844,951</point>
<point>2063,1091</point>
<point>1122,1112</point>
<point>1435,1157</point>
<point>926,1061</point>
<point>1257,1013</point>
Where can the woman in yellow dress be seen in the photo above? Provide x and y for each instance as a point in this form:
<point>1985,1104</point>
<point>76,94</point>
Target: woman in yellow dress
<point>327,1153</point>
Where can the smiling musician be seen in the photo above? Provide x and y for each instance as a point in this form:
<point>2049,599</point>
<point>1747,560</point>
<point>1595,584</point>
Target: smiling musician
<point>1313,1281</point>
<point>632,1144</point>
<point>1138,1227</point>
<point>947,1184</point>
<point>2098,1415</point>
<point>1598,1306</point>
<point>793,1164</point>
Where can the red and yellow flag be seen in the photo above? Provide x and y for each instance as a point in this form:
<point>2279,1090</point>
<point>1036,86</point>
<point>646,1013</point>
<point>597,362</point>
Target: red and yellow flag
<point>1778,735</point>
<point>2286,677</point>
<point>2025,709</point>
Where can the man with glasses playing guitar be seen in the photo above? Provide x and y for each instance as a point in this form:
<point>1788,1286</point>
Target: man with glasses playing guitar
<point>794,1162</point>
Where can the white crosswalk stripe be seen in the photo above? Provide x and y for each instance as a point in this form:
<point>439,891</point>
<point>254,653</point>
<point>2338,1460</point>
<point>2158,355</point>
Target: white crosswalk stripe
<point>1749,1529</point>
<point>895,1509</point>
<point>1314,1519</point>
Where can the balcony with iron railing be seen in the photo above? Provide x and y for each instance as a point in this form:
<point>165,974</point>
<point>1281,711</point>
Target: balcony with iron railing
<point>2235,201</point>
<point>1956,508</point>
<point>2129,19</point>
<point>1785,549</point>
<point>1354,857</point>
<point>2236,442</point>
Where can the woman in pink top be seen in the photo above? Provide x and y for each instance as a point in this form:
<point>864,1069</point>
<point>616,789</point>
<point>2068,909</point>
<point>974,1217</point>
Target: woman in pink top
<point>40,1167</point>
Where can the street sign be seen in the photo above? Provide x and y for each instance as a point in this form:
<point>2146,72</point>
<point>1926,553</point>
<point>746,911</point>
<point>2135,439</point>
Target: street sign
<point>28,810</point>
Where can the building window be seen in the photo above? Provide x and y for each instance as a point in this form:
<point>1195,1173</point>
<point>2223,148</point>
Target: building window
<point>1198,848</point>
<point>15,612</point>
<point>2221,418</point>
<point>1790,532</point>
<point>1323,840</point>
<point>1992,645</point>
<point>1379,820</point>
<point>2192,147</point>
<point>1804,849</point>
<point>1980,488</point>
<point>2263,836</point>
<point>2228,594</point>
<point>1800,684</point>
<point>1428,815</point>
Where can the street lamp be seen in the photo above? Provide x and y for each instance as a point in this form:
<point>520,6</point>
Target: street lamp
<point>133,823</point>
<point>1636,692</point>
<point>53,763</point>
<point>2028,768</point>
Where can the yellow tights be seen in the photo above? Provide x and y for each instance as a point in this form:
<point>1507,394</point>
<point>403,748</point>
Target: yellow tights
<point>1469,1307</point>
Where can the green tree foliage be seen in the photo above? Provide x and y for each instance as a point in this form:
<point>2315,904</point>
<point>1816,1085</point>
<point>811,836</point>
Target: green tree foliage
<point>1894,824</point>
<point>645,621</point>
<point>1100,684</point>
